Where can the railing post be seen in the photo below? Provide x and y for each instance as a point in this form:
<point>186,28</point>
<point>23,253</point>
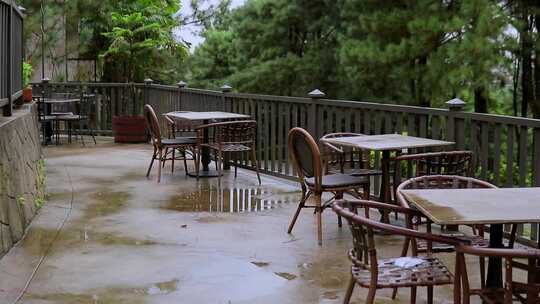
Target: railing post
<point>181,85</point>
<point>455,126</point>
<point>226,89</point>
<point>45,88</point>
<point>313,124</point>
<point>8,109</point>
<point>536,157</point>
<point>147,85</point>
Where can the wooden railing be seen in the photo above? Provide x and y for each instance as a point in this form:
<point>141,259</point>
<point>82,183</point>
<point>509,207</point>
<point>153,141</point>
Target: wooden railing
<point>11,55</point>
<point>507,149</point>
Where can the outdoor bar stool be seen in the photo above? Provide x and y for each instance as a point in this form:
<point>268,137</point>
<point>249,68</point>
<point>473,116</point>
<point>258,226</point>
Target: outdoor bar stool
<point>162,145</point>
<point>524,292</point>
<point>370,272</point>
<point>306,158</point>
<point>345,160</point>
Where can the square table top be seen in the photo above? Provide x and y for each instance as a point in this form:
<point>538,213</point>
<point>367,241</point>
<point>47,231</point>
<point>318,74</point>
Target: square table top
<point>477,206</point>
<point>196,116</point>
<point>388,142</point>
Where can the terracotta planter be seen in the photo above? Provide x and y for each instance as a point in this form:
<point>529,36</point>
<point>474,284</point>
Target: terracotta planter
<point>129,129</point>
<point>27,94</point>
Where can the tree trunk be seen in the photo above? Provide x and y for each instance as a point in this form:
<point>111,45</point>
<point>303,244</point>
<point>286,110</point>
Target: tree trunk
<point>480,100</point>
<point>535,105</point>
<point>527,87</point>
<point>422,100</point>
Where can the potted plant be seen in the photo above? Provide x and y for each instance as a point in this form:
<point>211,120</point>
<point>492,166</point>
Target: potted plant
<point>27,88</point>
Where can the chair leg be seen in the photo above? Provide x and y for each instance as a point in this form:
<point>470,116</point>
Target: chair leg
<point>151,162</point>
<point>370,298</point>
<point>300,206</point>
<point>185,162</point>
<point>160,165</point>
<point>430,294</point>
<point>255,162</point>
<point>339,195</point>
<point>318,214</point>
<point>172,160</point>
<point>165,156</point>
<point>350,289</point>
<point>482,261</point>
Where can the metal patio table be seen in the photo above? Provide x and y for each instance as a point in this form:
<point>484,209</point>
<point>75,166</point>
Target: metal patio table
<point>387,143</point>
<point>205,118</point>
<point>495,207</point>
<point>48,104</point>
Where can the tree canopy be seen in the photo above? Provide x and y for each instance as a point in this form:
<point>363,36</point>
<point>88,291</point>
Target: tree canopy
<point>421,52</point>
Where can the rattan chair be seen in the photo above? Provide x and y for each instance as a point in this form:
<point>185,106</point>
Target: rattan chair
<point>79,114</point>
<point>524,292</point>
<point>163,146</point>
<point>306,159</point>
<point>436,163</point>
<point>370,272</point>
<point>345,159</point>
<point>229,137</point>
<point>181,131</point>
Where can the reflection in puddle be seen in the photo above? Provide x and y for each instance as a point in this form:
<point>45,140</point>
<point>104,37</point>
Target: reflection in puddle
<point>111,295</point>
<point>230,200</point>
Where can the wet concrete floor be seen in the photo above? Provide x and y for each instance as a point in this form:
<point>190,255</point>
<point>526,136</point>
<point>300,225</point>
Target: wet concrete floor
<point>110,235</point>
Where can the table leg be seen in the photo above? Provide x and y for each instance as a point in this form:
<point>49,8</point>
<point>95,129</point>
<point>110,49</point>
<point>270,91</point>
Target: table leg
<point>384,195</point>
<point>48,125</point>
<point>205,151</point>
<point>205,158</point>
<point>494,271</point>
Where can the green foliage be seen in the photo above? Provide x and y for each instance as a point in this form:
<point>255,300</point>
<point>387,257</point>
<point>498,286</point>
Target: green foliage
<point>40,184</point>
<point>411,52</point>
<point>27,73</point>
<point>141,39</point>
<point>21,200</point>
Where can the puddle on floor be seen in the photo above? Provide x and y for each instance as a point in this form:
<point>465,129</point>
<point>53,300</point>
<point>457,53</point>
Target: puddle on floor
<point>39,239</point>
<point>230,200</point>
<point>106,202</point>
<point>110,295</point>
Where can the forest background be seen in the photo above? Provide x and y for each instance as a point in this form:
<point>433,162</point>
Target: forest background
<point>413,52</point>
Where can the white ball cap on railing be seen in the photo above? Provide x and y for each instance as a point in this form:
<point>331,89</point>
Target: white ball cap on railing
<point>456,104</point>
<point>225,88</point>
<point>182,84</point>
<point>46,80</point>
<point>148,81</point>
<point>316,94</point>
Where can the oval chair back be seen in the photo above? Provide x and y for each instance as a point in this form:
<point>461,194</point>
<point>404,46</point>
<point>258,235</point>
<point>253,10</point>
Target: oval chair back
<point>305,156</point>
<point>339,156</point>
<point>152,124</point>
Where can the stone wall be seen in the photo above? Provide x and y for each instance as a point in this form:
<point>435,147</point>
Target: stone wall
<point>21,174</point>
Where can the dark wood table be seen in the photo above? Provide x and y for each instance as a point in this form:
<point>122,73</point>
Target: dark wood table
<point>387,143</point>
<point>480,206</point>
<point>205,118</point>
